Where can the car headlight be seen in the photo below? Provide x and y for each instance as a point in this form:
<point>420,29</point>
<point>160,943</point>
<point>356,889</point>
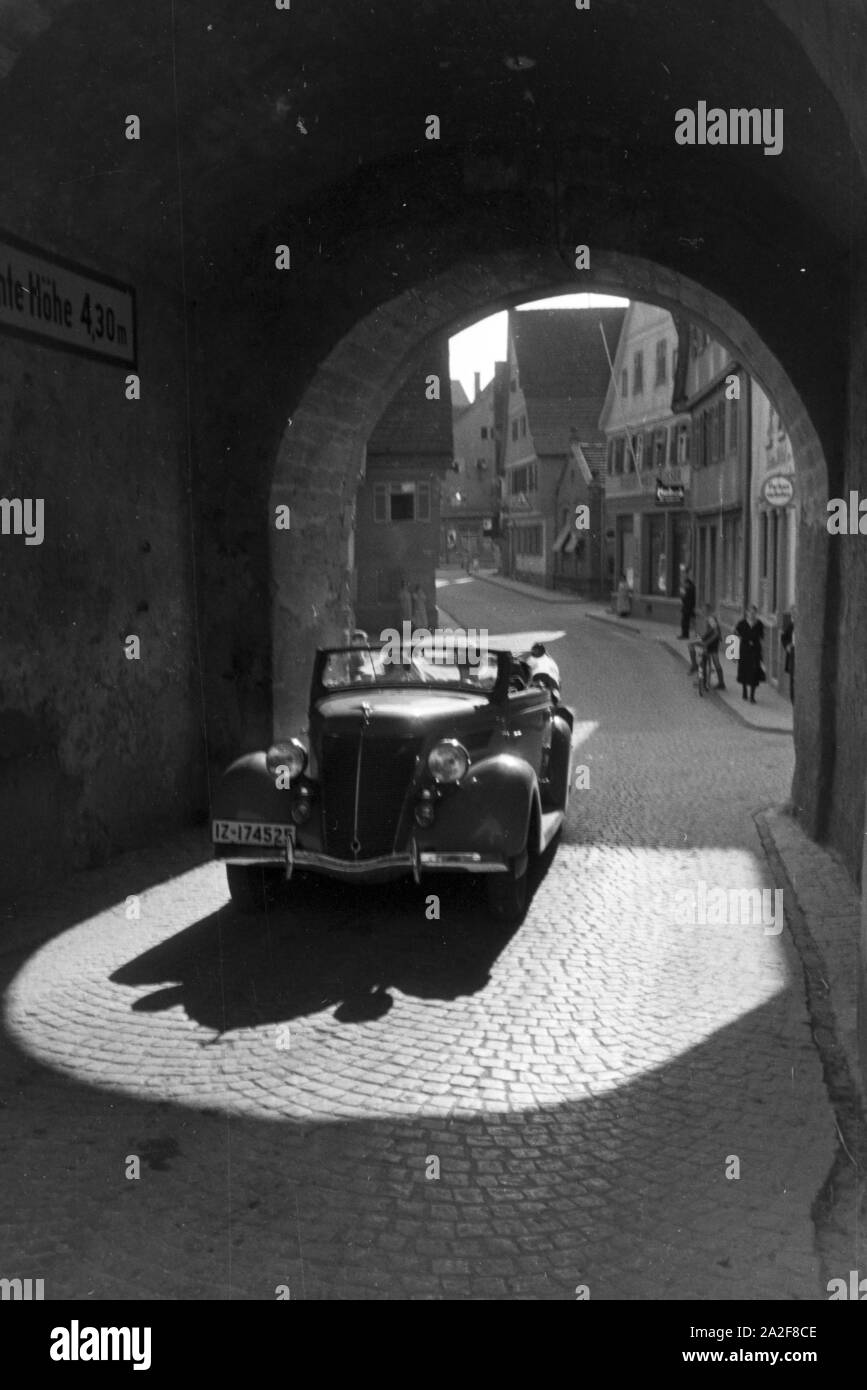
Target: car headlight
<point>448,761</point>
<point>291,755</point>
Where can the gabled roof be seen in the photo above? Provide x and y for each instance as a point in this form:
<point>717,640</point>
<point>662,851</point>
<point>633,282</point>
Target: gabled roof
<point>412,424</point>
<point>618,352</point>
<point>563,371</point>
<point>596,457</point>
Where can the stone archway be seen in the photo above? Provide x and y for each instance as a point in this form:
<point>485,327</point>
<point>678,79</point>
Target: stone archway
<point>319,460</point>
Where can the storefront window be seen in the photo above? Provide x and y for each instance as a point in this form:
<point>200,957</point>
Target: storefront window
<point>655,579</point>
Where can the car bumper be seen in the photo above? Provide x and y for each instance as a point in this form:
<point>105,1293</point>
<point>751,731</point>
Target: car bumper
<point>415,862</point>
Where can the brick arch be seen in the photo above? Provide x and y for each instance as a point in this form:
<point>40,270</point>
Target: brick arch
<point>319,458</point>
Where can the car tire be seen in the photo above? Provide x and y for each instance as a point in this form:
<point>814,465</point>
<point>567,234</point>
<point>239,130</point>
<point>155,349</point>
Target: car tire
<point>507,893</point>
<point>252,887</point>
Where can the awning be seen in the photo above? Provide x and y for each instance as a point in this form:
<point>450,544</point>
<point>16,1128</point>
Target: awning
<point>563,536</point>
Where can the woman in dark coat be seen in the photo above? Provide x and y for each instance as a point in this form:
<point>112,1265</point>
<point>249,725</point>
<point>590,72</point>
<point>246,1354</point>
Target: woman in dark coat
<point>750,631</point>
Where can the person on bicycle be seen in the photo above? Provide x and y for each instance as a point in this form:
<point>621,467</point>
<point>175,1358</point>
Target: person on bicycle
<point>709,640</point>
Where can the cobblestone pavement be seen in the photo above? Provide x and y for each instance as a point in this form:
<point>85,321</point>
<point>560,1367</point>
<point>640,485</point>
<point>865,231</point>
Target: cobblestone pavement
<point>292,1084</point>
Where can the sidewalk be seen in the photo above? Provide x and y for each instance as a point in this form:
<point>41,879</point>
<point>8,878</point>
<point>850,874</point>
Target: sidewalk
<point>772,712</point>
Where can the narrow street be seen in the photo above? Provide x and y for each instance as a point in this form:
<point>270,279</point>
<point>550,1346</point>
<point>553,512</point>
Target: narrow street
<point>584,1082</point>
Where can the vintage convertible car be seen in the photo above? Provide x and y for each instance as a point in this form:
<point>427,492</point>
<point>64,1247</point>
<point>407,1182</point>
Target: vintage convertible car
<point>408,766</point>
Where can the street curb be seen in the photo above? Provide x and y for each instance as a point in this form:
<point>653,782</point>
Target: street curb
<point>839,1062</point>
<point>544,595</point>
<point>613,622</point>
<point>839,1197</point>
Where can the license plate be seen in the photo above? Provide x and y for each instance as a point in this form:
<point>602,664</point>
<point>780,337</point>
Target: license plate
<point>243,832</point>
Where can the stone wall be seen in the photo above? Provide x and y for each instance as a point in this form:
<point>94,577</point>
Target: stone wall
<point>96,751</point>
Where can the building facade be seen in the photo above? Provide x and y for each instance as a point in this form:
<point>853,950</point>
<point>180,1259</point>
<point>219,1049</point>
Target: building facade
<point>717,393</point>
<point>471,493</point>
<point>557,380</point>
<point>774,529</point>
<point>397,509</point>
<point>699,474</point>
<point>647,473</point>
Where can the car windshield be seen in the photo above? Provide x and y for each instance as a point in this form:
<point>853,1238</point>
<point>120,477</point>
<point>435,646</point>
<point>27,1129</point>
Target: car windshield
<point>371,666</point>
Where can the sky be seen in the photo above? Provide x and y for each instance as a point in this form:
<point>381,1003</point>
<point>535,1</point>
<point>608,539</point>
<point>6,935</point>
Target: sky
<point>479,347</point>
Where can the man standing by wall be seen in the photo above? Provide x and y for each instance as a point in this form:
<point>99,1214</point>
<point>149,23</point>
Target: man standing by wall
<point>687,605</point>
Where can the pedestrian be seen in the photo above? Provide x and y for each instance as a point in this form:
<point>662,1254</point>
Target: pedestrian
<point>405,599</point>
<point>751,672</point>
<point>687,605</point>
<point>787,637</point>
<point>709,639</point>
<point>624,599</point>
<point>419,608</point>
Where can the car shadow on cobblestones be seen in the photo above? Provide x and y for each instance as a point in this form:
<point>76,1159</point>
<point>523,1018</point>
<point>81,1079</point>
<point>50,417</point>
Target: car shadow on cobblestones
<point>330,946</point>
<point>326,943</point>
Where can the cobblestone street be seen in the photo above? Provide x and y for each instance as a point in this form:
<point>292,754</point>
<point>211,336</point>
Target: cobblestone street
<point>287,1082</point>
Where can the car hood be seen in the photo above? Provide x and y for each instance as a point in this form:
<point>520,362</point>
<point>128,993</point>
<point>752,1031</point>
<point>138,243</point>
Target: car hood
<point>401,711</point>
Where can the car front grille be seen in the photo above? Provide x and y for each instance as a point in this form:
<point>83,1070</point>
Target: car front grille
<point>387,766</point>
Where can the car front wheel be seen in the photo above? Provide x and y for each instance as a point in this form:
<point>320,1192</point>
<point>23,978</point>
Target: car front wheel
<point>252,887</point>
<point>507,893</point>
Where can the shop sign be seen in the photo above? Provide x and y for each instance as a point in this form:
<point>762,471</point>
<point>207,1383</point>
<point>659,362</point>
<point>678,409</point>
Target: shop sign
<point>778,489</point>
<point>669,494</point>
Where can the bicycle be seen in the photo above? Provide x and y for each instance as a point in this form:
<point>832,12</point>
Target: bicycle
<point>703,678</point>
<point>702,657</point>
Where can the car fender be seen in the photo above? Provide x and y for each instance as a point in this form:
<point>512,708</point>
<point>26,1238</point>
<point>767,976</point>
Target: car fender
<point>490,811</point>
<point>247,791</point>
<point>557,787</point>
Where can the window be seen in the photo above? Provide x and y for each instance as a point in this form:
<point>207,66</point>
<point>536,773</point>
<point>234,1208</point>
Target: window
<point>484,431</point>
<point>637,373</point>
<point>515,428</point>
<point>624,383</point>
<point>661,361</point>
<point>401,502</point>
<point>611,453</point>
<point>480,463</point>
<point>523,426</point>
<point>637,459</point>
<point>764,547</point>
<point>683,444</point>
<point>670,446</point>
<point>528,540</point>
<point>659,449</point>
<point>513,384</point>
<point>732,424</point>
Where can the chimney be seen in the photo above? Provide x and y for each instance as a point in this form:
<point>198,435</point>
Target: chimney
<point>477,385</point>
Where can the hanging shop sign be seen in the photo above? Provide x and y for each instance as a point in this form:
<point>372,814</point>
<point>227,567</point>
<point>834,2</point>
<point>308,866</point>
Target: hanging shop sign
<point>64,305</point>
<point>669,494</point>
<point>778,489</point>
